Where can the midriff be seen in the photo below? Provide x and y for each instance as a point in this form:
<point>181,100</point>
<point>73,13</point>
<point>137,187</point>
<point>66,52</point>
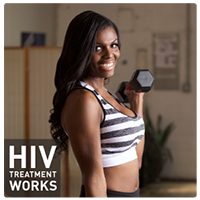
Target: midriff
<point>123,178</point>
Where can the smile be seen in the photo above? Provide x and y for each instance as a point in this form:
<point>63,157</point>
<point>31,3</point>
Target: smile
<point>106,65</point>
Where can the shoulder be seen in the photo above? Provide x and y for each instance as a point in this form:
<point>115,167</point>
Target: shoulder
<point>81,104</point>
<point>81,98</point>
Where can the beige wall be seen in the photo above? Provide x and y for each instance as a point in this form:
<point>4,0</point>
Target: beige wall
<point>137,23</point>
<point>39,18</point>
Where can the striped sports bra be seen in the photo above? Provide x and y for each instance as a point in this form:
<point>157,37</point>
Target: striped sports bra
<point>120,133</point>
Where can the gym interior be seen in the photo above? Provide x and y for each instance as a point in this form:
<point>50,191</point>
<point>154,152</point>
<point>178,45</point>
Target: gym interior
<point>159,37</point>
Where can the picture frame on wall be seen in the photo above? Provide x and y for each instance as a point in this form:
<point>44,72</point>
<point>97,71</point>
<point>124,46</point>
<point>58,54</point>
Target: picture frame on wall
<point>166,61</point>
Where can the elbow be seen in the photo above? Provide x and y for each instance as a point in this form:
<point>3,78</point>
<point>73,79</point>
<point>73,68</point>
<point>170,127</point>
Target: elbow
<point>139,164</point>
<point>95,187</point>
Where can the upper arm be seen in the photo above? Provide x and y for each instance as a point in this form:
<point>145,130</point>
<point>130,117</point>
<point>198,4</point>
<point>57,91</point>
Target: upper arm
<point>81,118</point>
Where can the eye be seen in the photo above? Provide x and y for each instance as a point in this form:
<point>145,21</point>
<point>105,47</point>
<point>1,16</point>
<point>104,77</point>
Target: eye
<point>114,45</point>
<point>98,48</point>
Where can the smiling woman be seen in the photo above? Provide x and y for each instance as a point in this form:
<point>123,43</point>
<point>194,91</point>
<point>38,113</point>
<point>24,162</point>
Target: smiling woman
<point>107,137</point>
<point>107,52</point>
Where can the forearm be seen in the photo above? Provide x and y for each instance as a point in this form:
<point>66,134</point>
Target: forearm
<point>135,100</point>
<point>136,104</point>
<point>140,150</point>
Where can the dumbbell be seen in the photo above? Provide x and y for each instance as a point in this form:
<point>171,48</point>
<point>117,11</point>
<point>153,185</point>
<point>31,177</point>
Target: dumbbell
<point>141,81</point>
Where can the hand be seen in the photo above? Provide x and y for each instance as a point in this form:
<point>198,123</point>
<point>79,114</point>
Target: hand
<point>132,94</point>
<point>135,99</point>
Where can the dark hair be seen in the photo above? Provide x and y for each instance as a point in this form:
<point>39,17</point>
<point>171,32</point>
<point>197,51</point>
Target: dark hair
<point>78,48</point>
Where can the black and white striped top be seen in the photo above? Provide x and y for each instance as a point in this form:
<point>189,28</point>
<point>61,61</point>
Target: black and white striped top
<point>120,133</point>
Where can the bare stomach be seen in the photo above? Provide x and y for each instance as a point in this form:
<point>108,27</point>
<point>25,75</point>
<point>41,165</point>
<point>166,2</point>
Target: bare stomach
<point>123,178</point>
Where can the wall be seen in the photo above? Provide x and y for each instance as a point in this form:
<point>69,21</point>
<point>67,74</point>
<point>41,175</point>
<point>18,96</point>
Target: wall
<point>28,93</point>
<point>38,18</point>
<point>137,24</point>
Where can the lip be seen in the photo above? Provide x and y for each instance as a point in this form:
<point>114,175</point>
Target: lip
<point>107,66</point>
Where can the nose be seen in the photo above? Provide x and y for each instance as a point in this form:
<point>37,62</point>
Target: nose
<point>108,53</point>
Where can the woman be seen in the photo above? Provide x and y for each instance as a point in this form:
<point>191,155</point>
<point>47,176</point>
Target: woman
<point>107,138</point>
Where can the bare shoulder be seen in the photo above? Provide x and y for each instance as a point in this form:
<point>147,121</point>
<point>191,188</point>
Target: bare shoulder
<point>81,99</point>
<point>81,104</point>
<point>81,94</point>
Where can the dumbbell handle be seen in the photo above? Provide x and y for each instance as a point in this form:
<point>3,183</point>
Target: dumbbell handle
<point>141,81</point>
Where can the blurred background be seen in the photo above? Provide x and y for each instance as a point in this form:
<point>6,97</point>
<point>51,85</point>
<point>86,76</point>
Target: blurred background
<point>158,37</point>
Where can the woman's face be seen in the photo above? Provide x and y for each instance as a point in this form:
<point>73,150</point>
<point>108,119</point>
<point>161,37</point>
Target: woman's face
<point>107,52</point>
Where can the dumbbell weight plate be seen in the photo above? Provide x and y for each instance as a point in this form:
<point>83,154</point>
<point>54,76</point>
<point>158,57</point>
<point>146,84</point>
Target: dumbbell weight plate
<point>142,80</point>
<point>120,92</point>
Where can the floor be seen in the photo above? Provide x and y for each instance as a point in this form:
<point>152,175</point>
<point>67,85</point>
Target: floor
<point>169,189</point>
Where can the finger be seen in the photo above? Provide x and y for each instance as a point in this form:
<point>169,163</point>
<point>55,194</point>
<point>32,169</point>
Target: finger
<point>129,88</point>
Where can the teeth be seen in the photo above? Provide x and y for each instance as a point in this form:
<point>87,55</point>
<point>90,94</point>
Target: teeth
<point>106,65</point>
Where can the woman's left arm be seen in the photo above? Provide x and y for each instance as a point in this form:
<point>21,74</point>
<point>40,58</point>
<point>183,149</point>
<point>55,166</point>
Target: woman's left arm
<point>136,104</point>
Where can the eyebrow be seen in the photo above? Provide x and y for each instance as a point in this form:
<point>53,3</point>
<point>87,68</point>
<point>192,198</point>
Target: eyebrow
<point>111,42</point>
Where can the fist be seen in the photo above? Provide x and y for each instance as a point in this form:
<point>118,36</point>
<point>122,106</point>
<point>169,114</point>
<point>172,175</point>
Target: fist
<point>132,94</point>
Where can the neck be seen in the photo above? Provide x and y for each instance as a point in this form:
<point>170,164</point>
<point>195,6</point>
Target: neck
<point>97,84</point>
